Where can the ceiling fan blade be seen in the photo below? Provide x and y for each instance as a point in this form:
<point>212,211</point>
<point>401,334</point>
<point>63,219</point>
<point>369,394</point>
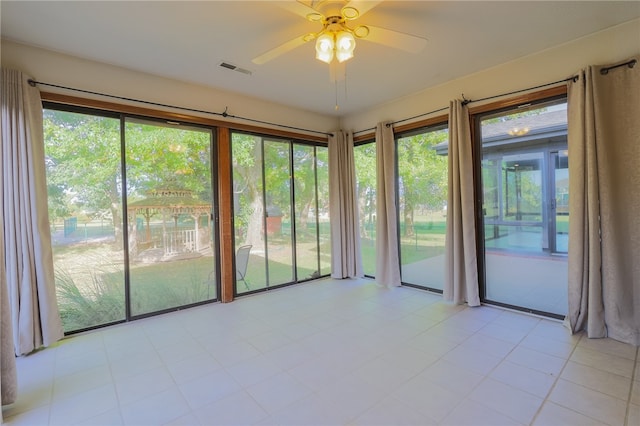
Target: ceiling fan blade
<point>362,6</point>
<point>407,42</point>
<point>283,48</point>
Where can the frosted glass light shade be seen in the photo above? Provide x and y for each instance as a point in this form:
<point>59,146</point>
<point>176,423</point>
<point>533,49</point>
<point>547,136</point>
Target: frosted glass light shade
<point>345,44</point>
<point>324,48</point>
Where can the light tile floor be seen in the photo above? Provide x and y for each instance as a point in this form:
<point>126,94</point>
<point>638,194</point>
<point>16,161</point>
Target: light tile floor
<point>331,352</point>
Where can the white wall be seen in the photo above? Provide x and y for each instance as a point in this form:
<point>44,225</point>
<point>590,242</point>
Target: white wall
<point>64,70</point>
<point>611,45</point>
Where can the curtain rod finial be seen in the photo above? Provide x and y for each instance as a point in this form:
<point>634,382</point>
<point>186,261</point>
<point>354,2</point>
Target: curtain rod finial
<point>32,82</point>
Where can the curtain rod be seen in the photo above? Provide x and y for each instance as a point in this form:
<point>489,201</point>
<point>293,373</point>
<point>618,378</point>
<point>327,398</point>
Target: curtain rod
<point>630,64</point>
<point>468,101</point>
<point>405,119</point>
<point>220,114</point>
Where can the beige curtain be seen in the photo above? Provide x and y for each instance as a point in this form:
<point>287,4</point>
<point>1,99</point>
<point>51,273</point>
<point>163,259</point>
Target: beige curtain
<point>387,259</point>
<point>604,203</point>
<point>8,374</point>
<point>346,259</point>
<point>27,241</point>
<point>461,270</point>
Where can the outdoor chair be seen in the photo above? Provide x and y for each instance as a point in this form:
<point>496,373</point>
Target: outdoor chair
<point>242,260</point>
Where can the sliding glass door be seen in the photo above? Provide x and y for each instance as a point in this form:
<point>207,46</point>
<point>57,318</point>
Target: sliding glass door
<point>84,185</point>
<point>365,164</point>
<point>278,207</point>
<point>307,221</point>
<point>280,211</point>
<point>322,210</point>
<point>422,205</point>
<point>169,210</point>
<point>525,215</point>
<point>117,260</point>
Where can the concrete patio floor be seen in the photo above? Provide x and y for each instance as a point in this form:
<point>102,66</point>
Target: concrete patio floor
<point>535,282</point>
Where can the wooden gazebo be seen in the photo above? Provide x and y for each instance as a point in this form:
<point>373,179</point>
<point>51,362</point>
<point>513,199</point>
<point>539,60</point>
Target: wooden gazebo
<point>169,205</point>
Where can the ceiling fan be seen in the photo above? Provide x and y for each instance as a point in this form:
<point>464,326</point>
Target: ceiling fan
<point>336,39</point>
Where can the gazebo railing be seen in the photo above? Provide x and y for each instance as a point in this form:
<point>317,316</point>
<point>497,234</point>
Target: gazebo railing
<point>179,241</point>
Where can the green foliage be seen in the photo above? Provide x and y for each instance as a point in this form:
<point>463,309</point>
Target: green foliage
<point>99,297</point>
<point>304,185</point>
<point>250,173</point>
<point>85,180</point>
<point>422,175</point>
<point>98,301</point>
<point>365,164</point>
<point>160,157</point>
<point>83,162</point>
<point>322,162</point>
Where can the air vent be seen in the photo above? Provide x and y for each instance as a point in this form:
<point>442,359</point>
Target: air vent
<point>234,68</point>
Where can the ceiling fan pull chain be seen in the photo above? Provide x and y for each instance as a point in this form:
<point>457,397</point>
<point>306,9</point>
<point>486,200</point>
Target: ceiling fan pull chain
<point>346,93</point>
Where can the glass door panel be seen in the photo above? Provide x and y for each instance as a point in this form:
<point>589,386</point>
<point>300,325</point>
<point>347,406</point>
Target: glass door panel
<point>422,201</point>
<point>278,212</point>
<point>513,202</point>
<point>365,164</point>
<point>169,206</point>
<point>522,188</point>
<point>306,229</point>
<point>248,207</point>
<point>324,240</point>
<point>84,186</point>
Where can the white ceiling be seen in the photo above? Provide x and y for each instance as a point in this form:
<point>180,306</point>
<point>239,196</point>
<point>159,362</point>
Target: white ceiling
<point>188,40</point>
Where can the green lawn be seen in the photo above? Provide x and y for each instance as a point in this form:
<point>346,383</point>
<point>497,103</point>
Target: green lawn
<point>427,241</point>
<point>94,295</point>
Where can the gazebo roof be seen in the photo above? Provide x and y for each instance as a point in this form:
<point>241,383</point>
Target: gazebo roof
<point>174,200</point>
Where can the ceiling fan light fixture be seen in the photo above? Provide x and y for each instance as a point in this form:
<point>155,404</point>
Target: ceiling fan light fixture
<point>325,45</point>
<point>345,45</point>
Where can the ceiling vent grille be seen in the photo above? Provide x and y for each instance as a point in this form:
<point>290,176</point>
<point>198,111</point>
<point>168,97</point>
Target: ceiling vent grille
<point>232,67</point>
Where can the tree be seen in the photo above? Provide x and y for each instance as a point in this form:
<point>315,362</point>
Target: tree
<point>304,168</point>
<point>422,175</point>
<point>365,163</point>
<point>247,187</point>
<point>160,157</point>
<point>248,171</point>
<point>84,163</point>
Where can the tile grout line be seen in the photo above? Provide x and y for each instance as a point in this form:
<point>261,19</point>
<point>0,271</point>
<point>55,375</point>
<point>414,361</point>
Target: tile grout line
<point>487,375</point>
<point>505,358</point>
<point>555,382</point>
